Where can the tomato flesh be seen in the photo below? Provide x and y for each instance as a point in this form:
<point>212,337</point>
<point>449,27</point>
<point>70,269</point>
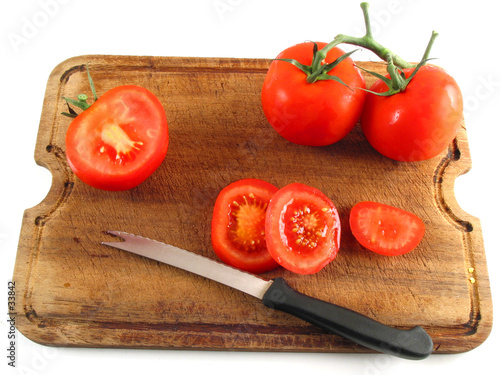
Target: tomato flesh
<point>312,114</point>
<point>385,229</point>
<point>302,229</point>
<point>238,225</point>
<point>120,140</point>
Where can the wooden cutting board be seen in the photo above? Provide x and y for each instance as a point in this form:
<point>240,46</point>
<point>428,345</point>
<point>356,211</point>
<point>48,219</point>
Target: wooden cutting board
<point>72,291</point>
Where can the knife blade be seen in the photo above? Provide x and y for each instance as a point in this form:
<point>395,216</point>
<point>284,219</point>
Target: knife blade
<point>414,343</point>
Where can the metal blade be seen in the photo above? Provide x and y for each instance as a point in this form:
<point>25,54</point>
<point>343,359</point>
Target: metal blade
<point>191,262</point>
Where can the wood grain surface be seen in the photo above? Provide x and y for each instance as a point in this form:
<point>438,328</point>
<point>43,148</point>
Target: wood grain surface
<point>72,291</point>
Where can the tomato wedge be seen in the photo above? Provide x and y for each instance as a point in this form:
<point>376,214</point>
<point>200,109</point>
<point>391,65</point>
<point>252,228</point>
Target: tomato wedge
<point>120,140</point>
<point>385,229</point>
<point>238,225</point>
<point>302,229</point>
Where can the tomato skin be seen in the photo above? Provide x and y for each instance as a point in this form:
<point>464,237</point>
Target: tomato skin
<point>418,123</point>
<point>302,229</point>
<point>229,219</point>
<point>316,114</point>
<point>120,140</point>
<point>384,229</point>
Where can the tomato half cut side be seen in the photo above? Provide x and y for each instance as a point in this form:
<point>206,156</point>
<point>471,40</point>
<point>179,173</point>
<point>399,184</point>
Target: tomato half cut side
<point>238,225</point>
<point>385,229</point>
<point>120,140</point>
<point>302,229</point>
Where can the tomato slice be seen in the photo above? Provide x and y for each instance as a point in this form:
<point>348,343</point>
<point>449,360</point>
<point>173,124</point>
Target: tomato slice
<point>302,229</point>
<point>238,225</point>
<point>385,229</point>
<point>120,140</point>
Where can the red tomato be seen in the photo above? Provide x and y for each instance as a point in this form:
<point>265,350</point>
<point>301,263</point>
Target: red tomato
<point>418,123</point>
<point>120,140</point>
<point>385,229</point>
<point>302,229</point>
<point>238,225</point>
<point>312,114</point>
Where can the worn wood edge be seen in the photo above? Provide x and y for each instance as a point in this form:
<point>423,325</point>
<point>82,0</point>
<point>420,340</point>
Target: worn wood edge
<point>477,329</point>
<point>53,158</point>
<point>34,218</point>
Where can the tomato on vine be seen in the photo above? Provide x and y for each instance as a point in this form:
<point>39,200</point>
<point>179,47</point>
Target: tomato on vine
<point>309,98</point>
<point>417,123</point>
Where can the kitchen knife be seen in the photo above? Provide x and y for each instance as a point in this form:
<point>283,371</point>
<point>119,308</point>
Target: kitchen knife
<point>277,294</point>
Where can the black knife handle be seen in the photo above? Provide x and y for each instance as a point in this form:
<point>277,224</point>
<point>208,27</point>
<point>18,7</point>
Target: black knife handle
<point>410,344</point>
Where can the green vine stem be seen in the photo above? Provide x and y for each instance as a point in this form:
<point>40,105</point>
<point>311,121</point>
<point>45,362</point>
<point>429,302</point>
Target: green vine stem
<point>398,80</point>
<point>367,41</point>
<point>395,64</point>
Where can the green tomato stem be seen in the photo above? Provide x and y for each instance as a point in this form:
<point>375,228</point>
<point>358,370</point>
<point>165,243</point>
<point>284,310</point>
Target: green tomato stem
<point>366,16</point>
<point>429,46</point>
<point>398,82</point>
<point>318,70</point>
<point>367,41</point>
<point>82,99</point>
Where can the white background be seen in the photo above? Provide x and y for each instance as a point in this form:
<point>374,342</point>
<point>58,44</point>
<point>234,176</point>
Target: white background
<point>467,47</point>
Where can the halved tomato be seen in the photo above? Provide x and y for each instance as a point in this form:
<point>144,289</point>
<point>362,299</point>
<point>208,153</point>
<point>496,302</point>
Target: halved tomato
<point>238,225</point>
<point>120,140</point>
<point>302,229</point>
<point>385,229</point>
